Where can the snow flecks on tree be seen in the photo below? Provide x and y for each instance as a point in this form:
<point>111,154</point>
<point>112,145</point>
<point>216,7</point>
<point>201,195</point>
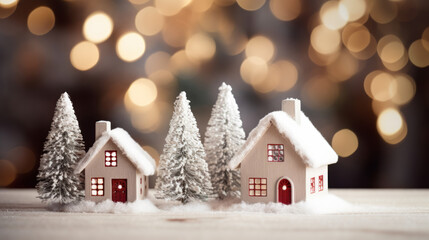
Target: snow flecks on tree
<point>224,136</point>
<point>183,172</point>
<point>63,148</point>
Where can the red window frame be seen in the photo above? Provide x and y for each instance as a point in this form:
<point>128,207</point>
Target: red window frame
<point>320,183</point>
<point>110,158</point>
<point>275,153</point>
<point>97,186</point>
<point>257,187</point>
<point>312,185</point>
<point>141,180</point>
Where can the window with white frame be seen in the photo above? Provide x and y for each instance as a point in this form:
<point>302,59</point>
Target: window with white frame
<point>320,183</point>
<point>97,186</point>
<point>275,152</point>
<point>110,158</point>
<point>312,185</point>
<point>257,187</point>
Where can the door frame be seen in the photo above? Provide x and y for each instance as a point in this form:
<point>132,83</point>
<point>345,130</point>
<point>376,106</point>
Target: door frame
<point>292,197</point>
<point>126,192</point>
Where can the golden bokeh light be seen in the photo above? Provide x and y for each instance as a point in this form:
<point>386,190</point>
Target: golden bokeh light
<point>251,5</point>
<point>142,92</point>
<point>170,7</point>
<point>345,142</point>
<point>406,89</point>
<point>355,8</point>
<point>378,107</point>
<point>319,92</point>
<point>22,158</point>
<point>253,70</point>
<point>236,44</point>
<point>7,9</point>
<point>368,52</point>
<point>390,48</point>
<point>41,20</point>
<point>200,47</point>
<point>286,10</point>
<point>130,46</point>
<point>383,87</point>
<point>344,67</point>
<point>180,63</point>
<point>383,11</point>
<point>331,17</point>
<point>175,32</point>
<point>153,153</point>
<point>8,3</point>
<point>164,78</point>
<point>156,62</point>
<point>391,126</point>
<point>98,27</point>
<point>7,173</point>
<point>201,5</point>
<point>138,2</point>
<point>146,121</point>
<point>322,59</point>
<point>286,73</point>
<point>260,46</point>
<point>149,21</point>
<point>84,55</point>
<point>356,37</point>
<point>398,65</point>
<point>418,54</point>
<point>425,38</point>
<point>368,81</point>
<point>324,40</point>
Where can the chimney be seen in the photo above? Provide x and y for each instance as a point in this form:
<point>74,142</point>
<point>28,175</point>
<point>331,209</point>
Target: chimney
<point>101,127</point>
<point>292,107</point>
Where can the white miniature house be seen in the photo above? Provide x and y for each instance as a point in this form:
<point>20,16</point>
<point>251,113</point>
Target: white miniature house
<point>285,158</point>
<point>116,167</point>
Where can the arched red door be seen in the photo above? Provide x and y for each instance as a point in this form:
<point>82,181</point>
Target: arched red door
<point>284,192</point>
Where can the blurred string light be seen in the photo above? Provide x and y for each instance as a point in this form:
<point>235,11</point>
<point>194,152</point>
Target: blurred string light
<point>7,7</point>
<point>97,27</point>
<point>84,55</point>
<point>419,55</point>
<point>7,173</point>
<point>345,142</point>
<point>130,46</point>
<point>41,20</point>
<point>22,158</point>
<point>149,21</point>
<point>325,40</point>
<point>142,92</point>
<point>260,46</point>
<point>286,10</point>
<point>138,2</point>
<point>333,15</point>
<point>251,5</point>
<point>391,126</point>
<point>158,61</point>
<point>171,7</point>
<point>200,47</point>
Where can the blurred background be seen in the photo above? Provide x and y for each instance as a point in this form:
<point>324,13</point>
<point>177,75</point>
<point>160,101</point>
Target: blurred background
<point>358,66</point>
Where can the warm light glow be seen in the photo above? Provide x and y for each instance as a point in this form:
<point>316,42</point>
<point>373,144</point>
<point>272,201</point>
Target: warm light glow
<point>319,92</point>
<point>331,17</point>
<point>180,63</point>
<point>355,8</point>
<point>201,5</point>
<point>285,10</point>
<point>152,152</point>
<point>322,59</point>
<point>285,73</point>
<point>156,62</point>
<point>22,158</point>
<point>406,89</point>
<point>8,3</point>
<point>344,67</point>
<point>130,46</point>
<point>7,173</point>
<point>345,142</point>
<point>250,5</point>
<point>368,81</point>
<point>170,7</point>
<point>149,21</point>
<point>142,92</point>
<point>425,38</point>
<point>97,27</point>
<point>200,47</point>
<point>6,11</point>
<point>390,49</point>
<point>261,47</point>
<point>356,37</point>
<point>324,40</point>
<point>41,20</point>
<point>253,70</point>
<point>176,33</point>
<point>389,122</point>
<point>138,2</point>
<point>84,55</point>
<point>418,54</point>
<point>383,87</point>
<point>383,11</point>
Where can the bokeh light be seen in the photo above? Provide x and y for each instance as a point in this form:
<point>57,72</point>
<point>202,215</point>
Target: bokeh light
<point>325,40</point>
<point>345,142</point>
<point>153,153</point>
<point>180,63</point>
<point>260,46</point>
<point>286,10</point>
<point>84,55</point>
<point>391,126</point>
<point>355,8</point>
<point>383,11</point>
<point>7,173</point>
<point>406,89</point>
<point>251,5</point>
<point>200,47</point>
<point>41,20</point>
<point>130,46</point>
<point>390,48</point>
<point>138,2</point>
<point>253,70</point>
<point>170,7</point>
<point>418,54</point>
<point>383,87</point>
<point>97,27</point>
<point>142,92</point>
<point>319,92</point>
<point>22,158</point>
<point>7,8</point>
<point>344,67</point>
<point>331,16</point>
<point>156,62</point>
<point>149,21</point>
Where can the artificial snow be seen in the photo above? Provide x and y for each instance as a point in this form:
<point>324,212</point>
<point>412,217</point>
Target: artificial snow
<point>309,144</point>
<point>131,149</point>
<point>107,206</point>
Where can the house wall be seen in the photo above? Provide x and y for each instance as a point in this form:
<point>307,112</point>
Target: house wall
<point>141,186</point>
<point>316,172</point>
<point>256,164</point>
<point>124,170</point>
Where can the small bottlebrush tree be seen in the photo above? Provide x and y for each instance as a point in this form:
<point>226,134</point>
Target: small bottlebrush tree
<point>63,148</point>
<point>183,172</point>
<point>224,136</point>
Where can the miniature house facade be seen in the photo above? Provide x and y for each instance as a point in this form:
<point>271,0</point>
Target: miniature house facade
<point>116,167</point>
<point>285,158</point>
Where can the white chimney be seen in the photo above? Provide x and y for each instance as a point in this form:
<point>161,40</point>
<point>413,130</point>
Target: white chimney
<point>101,127</point>
<point>292,107</point>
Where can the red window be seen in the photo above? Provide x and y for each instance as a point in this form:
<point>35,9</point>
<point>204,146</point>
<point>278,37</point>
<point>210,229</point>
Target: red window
<point>97,186</point>
<point>312,185</point>
<point>257,187</point>
<point>141,180</point>
<point>275,153</point>
<point>110,158</point>
<point>141,191</point>
<point>320,183</point>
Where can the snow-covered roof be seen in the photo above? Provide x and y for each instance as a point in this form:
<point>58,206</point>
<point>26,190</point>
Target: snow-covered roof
<point>309,144</point>
<point>132,150</point>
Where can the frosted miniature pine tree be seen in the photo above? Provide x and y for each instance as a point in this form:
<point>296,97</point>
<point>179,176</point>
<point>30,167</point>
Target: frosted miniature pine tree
<point>183,172</point>
<point>62,150</point>
<point>224,136</point>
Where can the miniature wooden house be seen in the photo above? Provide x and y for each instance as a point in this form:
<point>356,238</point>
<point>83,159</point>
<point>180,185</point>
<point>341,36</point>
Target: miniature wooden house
<point>116,167</point>
<point>285,158</point>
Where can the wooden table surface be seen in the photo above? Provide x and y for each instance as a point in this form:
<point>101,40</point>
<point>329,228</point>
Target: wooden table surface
<point>405,216</point>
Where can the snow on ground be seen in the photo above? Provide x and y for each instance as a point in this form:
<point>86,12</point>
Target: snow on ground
<point>328,204</point>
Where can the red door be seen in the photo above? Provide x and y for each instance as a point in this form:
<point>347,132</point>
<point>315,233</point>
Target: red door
<point>284,192</point>
<point>119,190</point>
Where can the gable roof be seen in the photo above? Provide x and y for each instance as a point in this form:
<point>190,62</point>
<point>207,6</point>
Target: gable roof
<point>307,141</point>
<point>132,150</point>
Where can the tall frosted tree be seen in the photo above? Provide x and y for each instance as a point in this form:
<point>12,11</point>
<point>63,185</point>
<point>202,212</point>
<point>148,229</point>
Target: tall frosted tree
<point>183,172</point>
<point>63,148</point>
<point>224,136</point>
